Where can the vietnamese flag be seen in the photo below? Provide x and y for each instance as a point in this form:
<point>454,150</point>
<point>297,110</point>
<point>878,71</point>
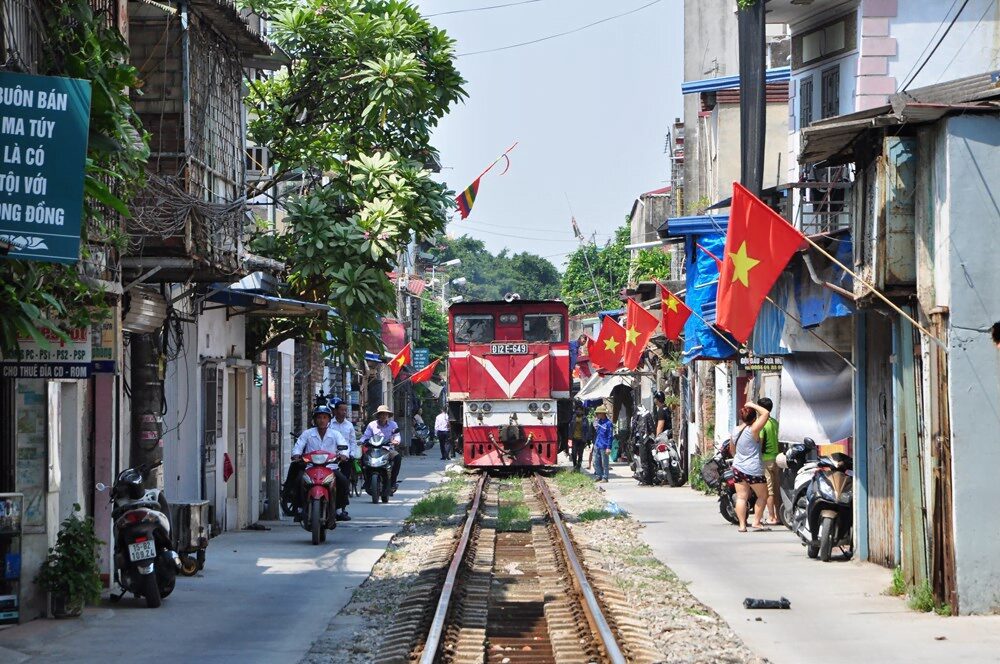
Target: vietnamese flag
<point>759,245</point>
<point>675,314</point>
<point>606,352</point>
<point>426,373</point>
<point>639,327</point>
<point>402,358</point>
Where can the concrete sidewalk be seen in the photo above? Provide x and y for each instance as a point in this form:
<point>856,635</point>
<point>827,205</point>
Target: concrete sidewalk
<point>838,611</point>
<point>263,596</point>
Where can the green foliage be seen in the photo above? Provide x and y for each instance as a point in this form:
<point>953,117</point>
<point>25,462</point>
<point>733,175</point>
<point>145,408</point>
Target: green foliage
<point>743,4</point>
<point>694,477</point>
<point>44,296</point>
<point>595,277</point>
<point>597,515</point>
<point>898,587</point>
<point>351,118</point>
<point>568,481</point>
<point>71,565</point>
<point>433,329</point>
<point>491,277</point>
<point>438,506</point>
<point>922,598</point>
<point>651,264</point>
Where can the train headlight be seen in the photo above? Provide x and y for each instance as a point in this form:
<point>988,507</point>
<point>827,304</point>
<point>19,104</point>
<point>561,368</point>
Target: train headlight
<point>473,407</point>
<point>487,407</point>
<point>546,406</point>
<point>532,407</point>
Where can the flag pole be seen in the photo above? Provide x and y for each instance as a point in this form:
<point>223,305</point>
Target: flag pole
<point>497,160</point>
<point>877,293</point>
<point>707,324</point>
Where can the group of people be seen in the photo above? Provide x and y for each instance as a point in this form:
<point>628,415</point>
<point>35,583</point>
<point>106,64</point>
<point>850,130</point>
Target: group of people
<point>754,448</point>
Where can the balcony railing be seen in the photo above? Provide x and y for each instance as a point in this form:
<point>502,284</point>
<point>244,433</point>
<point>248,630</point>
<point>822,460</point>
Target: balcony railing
<point>824,202</point>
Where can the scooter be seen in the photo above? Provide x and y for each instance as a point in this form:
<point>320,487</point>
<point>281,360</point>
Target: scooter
<point>797,467</point>
<point>376,461</point>
<point>668,459</point>
<point>319,512</point>
<point>145,563</point>
<point>829,518</point>
<point>718,474</point>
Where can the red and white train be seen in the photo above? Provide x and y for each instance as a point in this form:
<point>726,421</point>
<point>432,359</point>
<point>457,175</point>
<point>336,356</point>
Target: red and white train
<point>509,381</point>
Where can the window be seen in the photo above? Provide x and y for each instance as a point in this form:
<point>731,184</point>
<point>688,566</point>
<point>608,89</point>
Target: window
<point>474,329</point>
<point>805,102</point>
<point>543,327</point>
<point>826,41</point>
<point>830,93</point>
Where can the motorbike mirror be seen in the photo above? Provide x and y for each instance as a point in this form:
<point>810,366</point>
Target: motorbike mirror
<point>809,443</point>
<point>101,486</point>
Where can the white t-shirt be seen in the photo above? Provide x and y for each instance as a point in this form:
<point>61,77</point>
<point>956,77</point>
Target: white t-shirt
<point>441,422</point>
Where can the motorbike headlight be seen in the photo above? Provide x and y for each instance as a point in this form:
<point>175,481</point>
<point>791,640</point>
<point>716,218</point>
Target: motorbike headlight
<point>319,459</point>
<point>487,407</point>
<point>546,406</point>
<point>532,407</point>
<point>473,407</point>
<point>845,499</point>
<point>826,489</point>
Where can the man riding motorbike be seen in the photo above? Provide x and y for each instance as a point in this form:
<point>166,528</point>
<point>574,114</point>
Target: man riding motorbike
<point>320,437</point>
<point>383,425</point>
<point>345,428</point>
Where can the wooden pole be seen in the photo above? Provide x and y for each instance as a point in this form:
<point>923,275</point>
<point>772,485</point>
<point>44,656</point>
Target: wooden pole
<point>821,339</point>
<point>878,294</point>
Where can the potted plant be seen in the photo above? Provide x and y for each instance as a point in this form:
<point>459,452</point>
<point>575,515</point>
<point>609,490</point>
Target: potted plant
<point>70,573</point>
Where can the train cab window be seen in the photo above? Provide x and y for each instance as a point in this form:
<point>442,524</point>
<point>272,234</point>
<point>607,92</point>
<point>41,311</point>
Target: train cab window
<point>543,327</point>
<point>474,329</point>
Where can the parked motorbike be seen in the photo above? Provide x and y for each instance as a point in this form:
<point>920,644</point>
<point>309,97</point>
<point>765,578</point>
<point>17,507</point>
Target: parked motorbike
<point>376,462</point>
<point>829,519</point>
<point>797,467</point>
<point>319,512</point>
<point>145,563</point>
<point>718,474</point>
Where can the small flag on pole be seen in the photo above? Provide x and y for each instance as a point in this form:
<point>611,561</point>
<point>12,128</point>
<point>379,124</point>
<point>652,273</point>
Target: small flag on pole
<point>467,199</point>
<point>426,373</point>
<point>606,352</point>
<point>640,325</point>
<point>401,359</point>
<point>675,314</point>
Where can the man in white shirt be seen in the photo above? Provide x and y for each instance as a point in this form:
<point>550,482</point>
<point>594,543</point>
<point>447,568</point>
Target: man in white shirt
<point>442,430</point>
<point>323,437</point>
<point>343,425</point>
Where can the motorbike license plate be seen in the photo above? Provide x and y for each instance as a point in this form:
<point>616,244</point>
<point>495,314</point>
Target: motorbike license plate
<point>141,551</point>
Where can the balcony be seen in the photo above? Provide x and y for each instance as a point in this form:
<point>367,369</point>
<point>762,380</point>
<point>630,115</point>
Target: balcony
<point>823,201</point>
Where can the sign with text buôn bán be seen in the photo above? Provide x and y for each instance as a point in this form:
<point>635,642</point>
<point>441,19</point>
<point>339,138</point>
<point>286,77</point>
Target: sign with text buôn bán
<point>421,358</point>
<point>44,123</point>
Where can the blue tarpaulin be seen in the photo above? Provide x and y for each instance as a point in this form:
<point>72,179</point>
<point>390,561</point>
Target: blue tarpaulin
<point>702,287</point>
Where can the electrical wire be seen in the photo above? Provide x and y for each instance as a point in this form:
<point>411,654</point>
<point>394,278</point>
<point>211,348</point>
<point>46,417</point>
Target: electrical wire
<point>482,9</point>
<point>966,41</point>
<point>929,41</point>
<point>561,34</point>
<point>934,50</point>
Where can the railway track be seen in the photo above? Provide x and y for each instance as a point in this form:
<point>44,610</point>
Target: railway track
<point>508,595</point>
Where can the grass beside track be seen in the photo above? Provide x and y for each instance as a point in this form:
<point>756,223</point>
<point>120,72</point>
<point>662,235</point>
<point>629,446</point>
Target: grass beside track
<point>441,501</point>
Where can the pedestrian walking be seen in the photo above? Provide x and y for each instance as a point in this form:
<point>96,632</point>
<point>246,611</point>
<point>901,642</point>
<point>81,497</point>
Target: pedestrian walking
<point>442,429</point>
<point>748,469</point>
<point>581,434</point>
<point>603,435</point>
<point>768,454</point>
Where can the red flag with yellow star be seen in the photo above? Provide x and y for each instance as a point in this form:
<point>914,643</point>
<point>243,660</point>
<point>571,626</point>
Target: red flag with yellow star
<point>426,373</point>
<point>639,327</point>
<point>759,245</point>
<point>674,313</point>
<point>606,352</point>
<point>402,358</point>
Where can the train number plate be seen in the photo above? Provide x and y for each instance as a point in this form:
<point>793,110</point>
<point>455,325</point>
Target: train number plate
<point>509,349</point>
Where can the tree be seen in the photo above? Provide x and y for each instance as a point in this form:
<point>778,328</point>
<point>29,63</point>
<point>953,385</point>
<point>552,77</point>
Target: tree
<point>491,277</point>
<point>434,330</point>
<point>351,119</point>
<point>651,264</point>
<point>595,276</point>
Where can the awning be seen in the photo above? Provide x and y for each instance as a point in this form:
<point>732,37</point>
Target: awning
<point>238,302</point>
<point>600,387</point>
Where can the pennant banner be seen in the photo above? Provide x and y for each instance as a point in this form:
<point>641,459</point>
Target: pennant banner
<point>759,244</point>
<point>467,198</point>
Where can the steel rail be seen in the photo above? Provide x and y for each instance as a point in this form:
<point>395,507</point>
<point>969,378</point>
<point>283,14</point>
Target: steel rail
<point>591,605</point>
<point>433,642</point>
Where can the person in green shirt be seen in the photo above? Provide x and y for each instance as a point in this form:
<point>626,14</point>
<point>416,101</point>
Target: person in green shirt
<point>768,453</point>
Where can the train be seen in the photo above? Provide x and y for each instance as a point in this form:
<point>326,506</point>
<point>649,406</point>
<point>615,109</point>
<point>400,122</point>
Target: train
<point>509,381</point>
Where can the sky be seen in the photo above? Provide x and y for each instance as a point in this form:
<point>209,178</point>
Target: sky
<point>590,112</point>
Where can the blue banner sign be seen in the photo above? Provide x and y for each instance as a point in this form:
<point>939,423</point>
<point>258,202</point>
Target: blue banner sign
<point>44,123</point>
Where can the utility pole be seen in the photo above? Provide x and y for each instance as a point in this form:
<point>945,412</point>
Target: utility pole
<point>753,95</point>
<point>147,404</point>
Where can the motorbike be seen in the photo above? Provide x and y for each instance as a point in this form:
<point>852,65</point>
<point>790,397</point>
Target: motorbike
<point>797,466</point>
<point>718,474</point>
<point>319,512</point>
<point>376,462</point>
<point>829,518</point>
<point>145,563</point>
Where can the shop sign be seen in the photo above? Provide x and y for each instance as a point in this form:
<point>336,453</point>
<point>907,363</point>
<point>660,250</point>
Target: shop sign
<point>761,362</point>
<point>421,358</point>
<point>44,124</point>
<point>102,341</point>
<point>60,359</point>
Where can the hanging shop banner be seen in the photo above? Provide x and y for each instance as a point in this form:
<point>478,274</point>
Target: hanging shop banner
<point>761,362</point>
<point>61,359</point>
<point>421,358</point>
<point>44,123</point>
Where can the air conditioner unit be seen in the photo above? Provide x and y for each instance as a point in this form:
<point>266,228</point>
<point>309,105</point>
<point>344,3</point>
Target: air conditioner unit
<point>146,311</point>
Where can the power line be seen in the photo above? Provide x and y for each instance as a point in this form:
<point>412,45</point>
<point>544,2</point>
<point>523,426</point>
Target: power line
<point>934,50</point>
<point>929,41</point>
<point>562,34</point>
<point>518,237</point>
<point>974,28</point>
<point>482,9</point>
